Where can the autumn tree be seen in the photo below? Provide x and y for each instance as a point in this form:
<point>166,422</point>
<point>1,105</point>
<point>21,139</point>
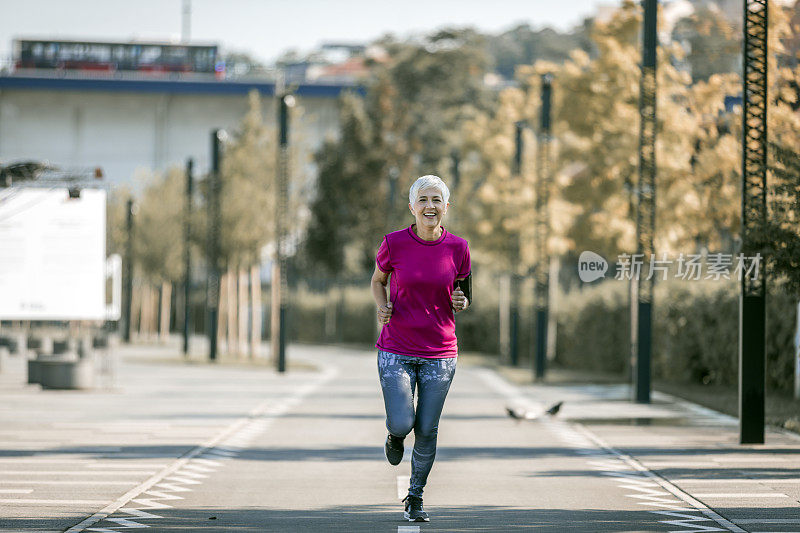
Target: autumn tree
<point>405,126</point>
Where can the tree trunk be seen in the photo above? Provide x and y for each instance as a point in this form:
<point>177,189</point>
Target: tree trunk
<point>255,315</point>
<point>243,322</point>
<point>144,312</point>
<point>552,307</point>
<point>222,313</point>
<point>275,316</point>
<point>136,305</point>
<point>330,313</point>
<point>233,333</point>
<point>505,318</point>
<point>153,332</point>
<point>166,301</point>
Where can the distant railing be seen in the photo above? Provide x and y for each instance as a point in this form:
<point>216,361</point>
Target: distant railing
<point>8,70</point>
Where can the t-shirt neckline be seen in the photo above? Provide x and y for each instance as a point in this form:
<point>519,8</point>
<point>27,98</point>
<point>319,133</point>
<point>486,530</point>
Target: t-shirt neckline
<point>423,241</point>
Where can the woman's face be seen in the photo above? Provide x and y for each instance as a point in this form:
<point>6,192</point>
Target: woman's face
<point>429,208</point>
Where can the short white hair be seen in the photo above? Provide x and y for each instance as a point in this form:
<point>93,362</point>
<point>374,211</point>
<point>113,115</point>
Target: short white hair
<point>426,182</point>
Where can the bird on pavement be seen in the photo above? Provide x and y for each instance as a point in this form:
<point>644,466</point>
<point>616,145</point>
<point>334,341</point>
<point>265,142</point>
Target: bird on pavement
<point>518,414</point>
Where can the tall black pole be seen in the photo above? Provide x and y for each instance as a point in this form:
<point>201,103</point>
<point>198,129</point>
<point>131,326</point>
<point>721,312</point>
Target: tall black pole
<point>281,212</point>
<point>641,313</point>
<point>214,190</point>
<point>752,301</point>
<point>128,273</point>
<point>187,255</point>
<point>513,318</point>
<point>542,230</point>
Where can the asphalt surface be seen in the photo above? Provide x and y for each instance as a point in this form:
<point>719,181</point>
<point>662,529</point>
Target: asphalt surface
<point>197,447</point>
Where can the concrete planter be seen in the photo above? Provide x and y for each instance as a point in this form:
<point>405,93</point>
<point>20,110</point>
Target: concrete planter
<point>34,371</point>
<point>70,373</point>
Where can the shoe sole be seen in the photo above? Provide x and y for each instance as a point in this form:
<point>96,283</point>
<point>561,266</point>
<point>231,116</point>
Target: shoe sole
<point>415,519</point>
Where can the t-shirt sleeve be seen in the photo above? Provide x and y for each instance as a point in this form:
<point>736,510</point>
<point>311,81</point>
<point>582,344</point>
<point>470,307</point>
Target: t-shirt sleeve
<point>465,266</point>
<point>383,259</point>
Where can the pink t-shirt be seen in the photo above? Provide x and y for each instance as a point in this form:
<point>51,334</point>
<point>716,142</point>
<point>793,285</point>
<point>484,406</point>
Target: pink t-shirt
<point>421,284</point>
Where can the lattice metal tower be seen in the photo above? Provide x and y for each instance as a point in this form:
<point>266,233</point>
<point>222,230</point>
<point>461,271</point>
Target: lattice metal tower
<point>752,302</point>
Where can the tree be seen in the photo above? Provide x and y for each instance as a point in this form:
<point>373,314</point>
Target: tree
<point>248,189</point>
<point>713,44</point>
<point>404,127</point>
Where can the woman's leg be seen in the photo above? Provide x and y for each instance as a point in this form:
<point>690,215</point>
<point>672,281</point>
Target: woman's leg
<point>433,381</point>
<point>398,378</point>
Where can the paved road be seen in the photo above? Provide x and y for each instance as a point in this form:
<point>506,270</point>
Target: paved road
<point>193,447</point>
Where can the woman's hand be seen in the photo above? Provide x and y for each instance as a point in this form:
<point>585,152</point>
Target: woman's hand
<point>385,313</point>
<point>459,301</point>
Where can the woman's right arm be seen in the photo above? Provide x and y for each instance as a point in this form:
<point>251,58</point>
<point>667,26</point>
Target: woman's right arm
<point>378,283</point>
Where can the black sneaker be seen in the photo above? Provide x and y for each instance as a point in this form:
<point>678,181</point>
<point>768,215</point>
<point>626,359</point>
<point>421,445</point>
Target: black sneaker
<point>414,512</point>
<point>393,449</point>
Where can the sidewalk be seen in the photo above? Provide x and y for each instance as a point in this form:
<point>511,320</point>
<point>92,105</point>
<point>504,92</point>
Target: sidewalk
<point>232,447</point>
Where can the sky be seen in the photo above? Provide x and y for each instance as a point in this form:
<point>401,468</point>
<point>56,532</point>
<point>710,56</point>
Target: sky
<point>266,28</point>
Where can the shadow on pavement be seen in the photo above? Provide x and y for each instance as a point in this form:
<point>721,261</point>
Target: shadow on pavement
<point>375,452</point>
<point>368,518</point>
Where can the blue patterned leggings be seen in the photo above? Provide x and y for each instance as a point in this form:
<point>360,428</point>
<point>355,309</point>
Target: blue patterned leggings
<point>400,375</point>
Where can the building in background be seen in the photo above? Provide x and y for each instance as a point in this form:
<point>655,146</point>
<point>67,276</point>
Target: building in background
<point>129,107</point>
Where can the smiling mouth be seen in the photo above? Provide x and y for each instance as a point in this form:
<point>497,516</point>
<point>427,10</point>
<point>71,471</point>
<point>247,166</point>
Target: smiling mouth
<point>429,215</point>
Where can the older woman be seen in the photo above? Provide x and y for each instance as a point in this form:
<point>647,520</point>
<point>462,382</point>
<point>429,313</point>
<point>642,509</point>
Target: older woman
<point>417,346</point>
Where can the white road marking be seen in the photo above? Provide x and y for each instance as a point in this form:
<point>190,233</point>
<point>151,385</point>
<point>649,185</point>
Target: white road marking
<point>741,495</point>
<point>75,473</point>
<point>116,465</point>
<point>184,480</point>
<point>407,529</point>
<point>402,486</point>
<point>664,483</point>
<point>53,502</point>
<point>182,462</point>
<point>775,480</point>
<point>632,474</point>
<point>138,513</point>
<point>127,523</point>
<point>207,462</point>
<point>16,491</point>
<point>67,482</point>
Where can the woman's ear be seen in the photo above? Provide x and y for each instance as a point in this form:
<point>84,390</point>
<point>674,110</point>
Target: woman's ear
<point>410,208</point>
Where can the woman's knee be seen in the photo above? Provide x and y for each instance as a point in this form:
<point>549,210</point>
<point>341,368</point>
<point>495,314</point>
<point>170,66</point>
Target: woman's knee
<point>400,426</point>
<point>425,432</point>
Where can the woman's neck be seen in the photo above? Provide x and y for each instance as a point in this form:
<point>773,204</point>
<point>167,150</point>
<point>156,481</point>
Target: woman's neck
<point>426,234</point>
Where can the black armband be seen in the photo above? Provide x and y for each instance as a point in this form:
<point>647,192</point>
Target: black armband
<point>466,287</point>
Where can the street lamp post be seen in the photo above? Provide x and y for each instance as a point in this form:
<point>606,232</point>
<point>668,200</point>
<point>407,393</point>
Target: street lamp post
<point>641,310</point>
<point>513,318</point>
<point>128,272</point>
<point>542,270</point>
<point>187,255</point>
<point>279,278</point>
<point>752,301</point>
<point>214,190</point>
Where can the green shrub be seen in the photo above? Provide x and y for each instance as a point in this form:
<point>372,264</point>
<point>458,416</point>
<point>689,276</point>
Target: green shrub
<point>695,332</point>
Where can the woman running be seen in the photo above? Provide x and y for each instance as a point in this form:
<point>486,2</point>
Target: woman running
<point>430,281</point>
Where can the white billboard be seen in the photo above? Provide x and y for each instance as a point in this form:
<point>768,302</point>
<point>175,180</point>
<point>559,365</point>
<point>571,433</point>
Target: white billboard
<point>52,254</point>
